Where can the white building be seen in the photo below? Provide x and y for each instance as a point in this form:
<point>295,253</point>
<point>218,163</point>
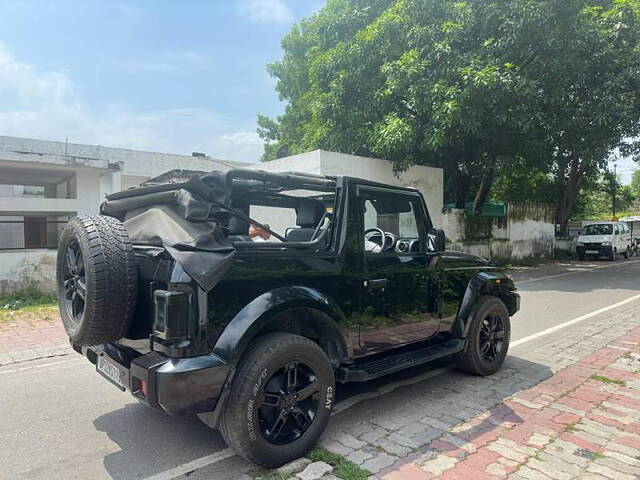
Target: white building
<point>43,184</point>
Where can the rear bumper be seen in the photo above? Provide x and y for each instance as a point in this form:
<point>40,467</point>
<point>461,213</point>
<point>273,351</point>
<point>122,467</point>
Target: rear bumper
<point>173,385</point>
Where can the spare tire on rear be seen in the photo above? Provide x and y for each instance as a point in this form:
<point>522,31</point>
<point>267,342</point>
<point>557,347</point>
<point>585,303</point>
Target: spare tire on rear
<point>97,279</point>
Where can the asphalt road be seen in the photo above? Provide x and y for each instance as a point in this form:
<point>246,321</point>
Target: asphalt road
<point>60,420</point>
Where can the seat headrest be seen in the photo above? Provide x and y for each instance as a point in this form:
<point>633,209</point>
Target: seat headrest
<point>238,226</point>
<point>309,214</point>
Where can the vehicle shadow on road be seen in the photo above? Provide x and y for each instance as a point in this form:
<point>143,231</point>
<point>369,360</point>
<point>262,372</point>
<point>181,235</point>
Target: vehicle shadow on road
<point>437,414</point>
<point>151,442</point>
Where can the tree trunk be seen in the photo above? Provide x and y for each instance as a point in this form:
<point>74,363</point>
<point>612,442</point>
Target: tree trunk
<point>483,191</point>
<point>568,195</point>
<point>462,187</point>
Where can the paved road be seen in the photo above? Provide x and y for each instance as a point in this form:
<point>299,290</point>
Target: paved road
<point>59,420</point>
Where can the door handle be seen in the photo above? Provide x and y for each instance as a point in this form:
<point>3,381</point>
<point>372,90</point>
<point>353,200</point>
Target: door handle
<point>377,285</point>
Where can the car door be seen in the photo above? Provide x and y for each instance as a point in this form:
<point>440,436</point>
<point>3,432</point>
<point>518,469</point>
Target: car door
<point>397,304</point>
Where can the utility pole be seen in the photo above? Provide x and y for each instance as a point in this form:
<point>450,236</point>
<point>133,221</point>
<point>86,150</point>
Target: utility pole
<point>614,186</point>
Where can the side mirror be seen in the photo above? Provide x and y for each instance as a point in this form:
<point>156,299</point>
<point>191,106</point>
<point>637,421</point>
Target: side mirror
<point>438,240</point>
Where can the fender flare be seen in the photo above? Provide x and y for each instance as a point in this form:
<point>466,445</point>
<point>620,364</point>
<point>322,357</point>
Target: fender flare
<point>494,283</point>
<point>249,321</point>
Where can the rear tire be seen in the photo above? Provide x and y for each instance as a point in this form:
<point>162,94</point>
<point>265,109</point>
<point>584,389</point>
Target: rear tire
<point>266,426</point>
<point>97,280</point>
<point>477,358</point>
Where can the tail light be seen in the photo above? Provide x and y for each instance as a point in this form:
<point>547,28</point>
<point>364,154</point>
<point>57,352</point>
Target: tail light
<point>171,314</point>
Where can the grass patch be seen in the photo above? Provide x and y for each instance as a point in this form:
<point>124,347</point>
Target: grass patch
<point>342,468</point>
<point>603,379</point>
<point>26,299</point>
<point>28,302</point>
<point>571,427</point>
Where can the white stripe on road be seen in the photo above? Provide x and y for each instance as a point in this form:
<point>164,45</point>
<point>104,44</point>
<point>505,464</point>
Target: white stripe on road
<point>568,323</point>
<point>41,365</point>
<point>196,464</point>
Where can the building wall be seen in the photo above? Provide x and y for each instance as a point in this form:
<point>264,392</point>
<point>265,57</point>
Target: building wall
<point>20,269</point>
<point>429,180</point>
<point>526,232</point>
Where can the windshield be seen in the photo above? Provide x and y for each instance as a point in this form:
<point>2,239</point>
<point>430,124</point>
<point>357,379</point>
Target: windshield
<point>597,229</point>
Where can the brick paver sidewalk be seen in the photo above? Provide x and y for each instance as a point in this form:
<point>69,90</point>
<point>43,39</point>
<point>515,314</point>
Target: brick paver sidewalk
<point>568,409</point>
<point>583,422</point>
<point>22,340</point>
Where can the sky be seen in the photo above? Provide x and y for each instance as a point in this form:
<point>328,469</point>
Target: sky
<point>156,75</point>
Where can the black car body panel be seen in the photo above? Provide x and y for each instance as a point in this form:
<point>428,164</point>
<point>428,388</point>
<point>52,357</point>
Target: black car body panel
<point>185,342</point>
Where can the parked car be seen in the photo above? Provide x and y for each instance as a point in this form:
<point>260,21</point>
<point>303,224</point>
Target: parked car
<point>604,239</point>
<point>171,300</point>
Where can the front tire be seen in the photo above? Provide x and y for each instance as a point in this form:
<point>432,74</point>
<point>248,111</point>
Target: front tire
<point>280,400</point>
<point>488,338</point>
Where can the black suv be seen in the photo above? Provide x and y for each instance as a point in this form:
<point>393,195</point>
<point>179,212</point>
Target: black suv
<point>170,296</point>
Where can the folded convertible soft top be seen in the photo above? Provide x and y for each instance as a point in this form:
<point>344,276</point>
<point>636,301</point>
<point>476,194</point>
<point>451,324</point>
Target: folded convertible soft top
<point>187,218</point>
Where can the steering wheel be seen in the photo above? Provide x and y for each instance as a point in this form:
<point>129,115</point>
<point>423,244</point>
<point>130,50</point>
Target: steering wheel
<point>374,232</point>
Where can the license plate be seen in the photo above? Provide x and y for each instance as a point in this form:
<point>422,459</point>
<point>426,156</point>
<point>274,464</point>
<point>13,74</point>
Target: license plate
<point>113,372</point>
<point>592,251</point>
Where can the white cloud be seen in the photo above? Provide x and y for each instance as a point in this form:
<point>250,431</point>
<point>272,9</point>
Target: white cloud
<point>46,105</point>
<point>265,11</point>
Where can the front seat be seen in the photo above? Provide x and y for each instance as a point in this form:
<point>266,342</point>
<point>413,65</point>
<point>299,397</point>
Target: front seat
<point>308,215</point>
<point>238,230</point>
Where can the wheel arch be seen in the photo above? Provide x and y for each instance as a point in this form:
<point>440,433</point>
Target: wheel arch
<point>497,284</point>
<point>296,309</point>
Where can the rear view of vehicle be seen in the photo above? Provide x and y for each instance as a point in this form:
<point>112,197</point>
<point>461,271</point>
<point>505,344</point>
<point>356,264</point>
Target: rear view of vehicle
<point>131,312</point>
<point>134,287</point>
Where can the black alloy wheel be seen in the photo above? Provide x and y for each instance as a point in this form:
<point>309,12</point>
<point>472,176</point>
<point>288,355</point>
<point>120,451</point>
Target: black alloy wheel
<point>75,282</point>
<point>280,399</point>
<point>488,337</point>
<point>290,402</point>
<point>491,337</point>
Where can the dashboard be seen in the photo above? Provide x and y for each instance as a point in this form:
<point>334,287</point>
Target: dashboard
<point>378,241</point>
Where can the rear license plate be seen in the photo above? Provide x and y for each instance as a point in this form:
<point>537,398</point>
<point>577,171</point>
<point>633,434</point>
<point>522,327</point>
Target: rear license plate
<point>592,251</point>
<point>113,372</point>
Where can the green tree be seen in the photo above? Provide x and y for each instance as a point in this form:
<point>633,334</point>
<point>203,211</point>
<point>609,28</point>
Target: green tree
<point>475,87</point>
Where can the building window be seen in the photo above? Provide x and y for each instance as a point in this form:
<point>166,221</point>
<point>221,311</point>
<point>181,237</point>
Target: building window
<point>35,232</point>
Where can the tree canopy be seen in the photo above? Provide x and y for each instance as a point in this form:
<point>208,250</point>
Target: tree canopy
<point>478,87</point>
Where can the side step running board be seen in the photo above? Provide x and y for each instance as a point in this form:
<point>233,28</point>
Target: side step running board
<point>369,369</point>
